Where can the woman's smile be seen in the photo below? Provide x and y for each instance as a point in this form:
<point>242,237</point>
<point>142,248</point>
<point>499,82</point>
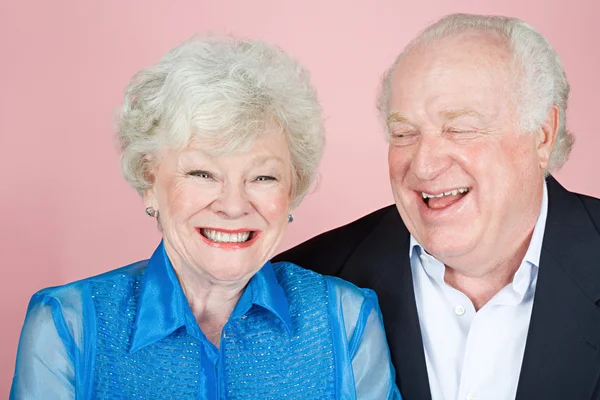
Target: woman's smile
<point>228,239</point>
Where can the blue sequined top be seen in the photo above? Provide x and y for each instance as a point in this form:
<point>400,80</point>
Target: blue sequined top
<point>130,334</point>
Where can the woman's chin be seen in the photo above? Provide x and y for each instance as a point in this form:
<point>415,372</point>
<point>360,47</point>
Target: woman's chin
<point>232,273</point>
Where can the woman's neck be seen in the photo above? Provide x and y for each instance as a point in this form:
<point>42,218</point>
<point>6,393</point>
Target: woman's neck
<point>211,302</point>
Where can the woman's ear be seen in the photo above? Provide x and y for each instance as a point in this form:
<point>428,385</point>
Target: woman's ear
<point>149,195</point>
<point>149,198</point>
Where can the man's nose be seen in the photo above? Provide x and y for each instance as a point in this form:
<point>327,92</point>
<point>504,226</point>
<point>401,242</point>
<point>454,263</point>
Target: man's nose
<point>431,158</point>
<point>232,202</point>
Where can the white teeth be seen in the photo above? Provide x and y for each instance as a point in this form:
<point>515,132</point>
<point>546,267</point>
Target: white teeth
<point>451,192</point>
<point>222,237</point>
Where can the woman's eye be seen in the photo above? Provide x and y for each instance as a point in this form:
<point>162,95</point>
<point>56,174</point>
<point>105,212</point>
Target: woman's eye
<point>264,178</point>
<point>200,174</point>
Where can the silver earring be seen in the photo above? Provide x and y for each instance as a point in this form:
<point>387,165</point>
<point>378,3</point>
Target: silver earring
<point>151,212</point>
<point>290,218</point>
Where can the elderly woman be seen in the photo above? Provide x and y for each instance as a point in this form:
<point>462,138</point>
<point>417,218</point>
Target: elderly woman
<point>221,138</point>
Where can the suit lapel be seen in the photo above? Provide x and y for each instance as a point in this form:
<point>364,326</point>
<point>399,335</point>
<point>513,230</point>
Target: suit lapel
<point>386,251</point>
<point>562,354</point>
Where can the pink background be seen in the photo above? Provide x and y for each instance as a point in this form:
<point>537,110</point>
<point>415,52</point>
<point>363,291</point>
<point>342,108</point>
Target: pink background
<point>66,211</point>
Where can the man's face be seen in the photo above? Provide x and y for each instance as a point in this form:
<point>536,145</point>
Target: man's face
<point>467,182</point>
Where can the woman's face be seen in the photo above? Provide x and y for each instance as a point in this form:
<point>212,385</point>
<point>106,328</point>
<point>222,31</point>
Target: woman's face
<point>223,216</point>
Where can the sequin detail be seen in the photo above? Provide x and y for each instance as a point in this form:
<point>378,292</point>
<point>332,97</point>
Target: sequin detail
<point>167,369</point>
<point>264,361</point>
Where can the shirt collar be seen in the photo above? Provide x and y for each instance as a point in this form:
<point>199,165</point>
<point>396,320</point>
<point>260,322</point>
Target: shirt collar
<point>521,280</point>
<point>523,277</point>
<point>535,246</point>
<point>163,308</point>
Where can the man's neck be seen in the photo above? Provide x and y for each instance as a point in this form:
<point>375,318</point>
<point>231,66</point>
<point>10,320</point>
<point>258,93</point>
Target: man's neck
<point>481,288</point>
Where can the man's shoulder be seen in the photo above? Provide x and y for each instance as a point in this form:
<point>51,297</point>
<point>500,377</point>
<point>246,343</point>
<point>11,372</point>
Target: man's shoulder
<point>572,208</point>
<point>350,234</point>
<point>592,204</point>
<point>327,252</point>
<point>572,237</point>
<point>359,228</point>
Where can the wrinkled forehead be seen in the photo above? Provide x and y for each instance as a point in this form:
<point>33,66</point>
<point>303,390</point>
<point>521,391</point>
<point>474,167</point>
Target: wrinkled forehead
<point>466,65</point>
<point>468,43</point>
<point>485,53</point>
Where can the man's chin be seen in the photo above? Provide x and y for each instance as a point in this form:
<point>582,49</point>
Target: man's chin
<point>445,247</point>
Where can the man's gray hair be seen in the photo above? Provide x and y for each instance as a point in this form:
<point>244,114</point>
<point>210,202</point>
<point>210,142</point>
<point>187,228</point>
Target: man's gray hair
<point>226,91</point>
<point>543,83</point>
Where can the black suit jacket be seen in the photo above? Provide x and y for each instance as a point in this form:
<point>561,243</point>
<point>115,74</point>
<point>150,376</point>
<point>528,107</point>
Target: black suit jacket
<point>562,352</point>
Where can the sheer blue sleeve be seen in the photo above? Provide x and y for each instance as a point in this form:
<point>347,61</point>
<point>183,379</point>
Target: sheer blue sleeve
<point>373,375</point>
<point>45,366</point>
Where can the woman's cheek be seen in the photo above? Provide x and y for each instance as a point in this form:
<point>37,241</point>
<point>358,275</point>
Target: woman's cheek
<point>275,205</point>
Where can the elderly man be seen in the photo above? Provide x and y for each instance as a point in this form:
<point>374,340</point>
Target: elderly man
<point>487,269</point>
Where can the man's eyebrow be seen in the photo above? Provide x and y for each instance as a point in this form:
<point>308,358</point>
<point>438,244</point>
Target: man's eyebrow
<point>397,117</point>
<point>453,114</point>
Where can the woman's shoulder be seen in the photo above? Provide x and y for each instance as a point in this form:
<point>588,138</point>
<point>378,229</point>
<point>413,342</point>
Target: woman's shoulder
<point>63,307</point>
<point>70,294</point>
<point>349,307</point>
<point>345,291</point>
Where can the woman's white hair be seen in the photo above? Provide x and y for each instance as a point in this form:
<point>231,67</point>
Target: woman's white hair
<point>226,91</point>
<point>543,81</point>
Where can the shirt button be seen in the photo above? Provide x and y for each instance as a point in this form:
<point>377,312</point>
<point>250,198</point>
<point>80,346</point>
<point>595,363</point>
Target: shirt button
<point>460,310</point>
<point>471,396</point>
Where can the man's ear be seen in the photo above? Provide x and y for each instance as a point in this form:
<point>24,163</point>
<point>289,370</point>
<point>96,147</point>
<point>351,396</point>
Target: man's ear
<point>546,137</point>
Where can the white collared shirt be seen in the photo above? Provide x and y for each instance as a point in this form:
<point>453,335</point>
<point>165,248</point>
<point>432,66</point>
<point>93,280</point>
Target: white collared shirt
<point>475,355</point>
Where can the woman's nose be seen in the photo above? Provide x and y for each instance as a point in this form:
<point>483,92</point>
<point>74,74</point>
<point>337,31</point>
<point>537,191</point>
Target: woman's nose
<point>232,202</point>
